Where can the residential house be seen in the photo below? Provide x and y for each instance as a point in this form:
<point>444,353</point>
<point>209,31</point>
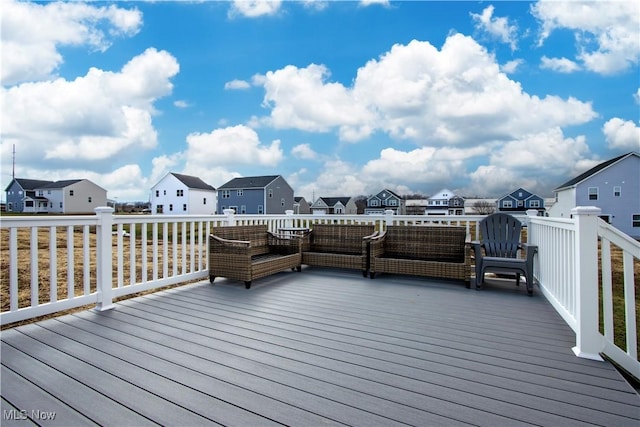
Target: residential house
<point>520,201</point>
<point>385,200</point>
<point>177,194</point>
<point>613,186</point>
<point>71,196</point>
<point>334,206</point>
<point>416,206</point>
<point>21,196</point>
<point>256,195</point>
<point>445,202</point>
<point>301,206</point>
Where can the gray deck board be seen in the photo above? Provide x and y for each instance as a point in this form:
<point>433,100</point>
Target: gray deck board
<point>321,347</point>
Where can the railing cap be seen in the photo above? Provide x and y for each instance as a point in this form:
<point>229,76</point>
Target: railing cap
<point>586,210</point>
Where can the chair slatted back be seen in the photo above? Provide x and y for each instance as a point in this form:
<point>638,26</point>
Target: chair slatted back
<point>500,235</point>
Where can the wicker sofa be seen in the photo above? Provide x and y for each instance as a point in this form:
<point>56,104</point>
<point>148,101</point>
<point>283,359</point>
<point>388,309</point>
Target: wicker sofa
<point>250,252</point>
<point>339,246</point>
<point>434,251</point>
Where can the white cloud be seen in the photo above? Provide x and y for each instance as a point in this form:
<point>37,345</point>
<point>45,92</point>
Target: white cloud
<point>497,27</point>
<point>562,65</point>
<point>254,8</point>
<point>607,33</point>
<point>456,95</point>
<point>236,145</point>
<point>181,104</point>
<point>622,134</point>
<point>365,3</point>
<point>33,32</point>
<point>511,66</point>
<point>92,118</point>
<point>636,96</point>
<point>304,151</point>
<point>237,84</point>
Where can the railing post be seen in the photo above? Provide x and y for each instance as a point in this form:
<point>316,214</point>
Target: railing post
<point>230,213</point>
<point>388,217</point>
<point>531,213</point>
<point>289,221</point>
<point>104,258</point>
<point>589,342</point>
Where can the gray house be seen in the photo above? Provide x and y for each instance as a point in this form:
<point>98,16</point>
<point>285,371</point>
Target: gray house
<point>385,200</point>
<point>21,196</point>
<point>256,195</point>
<point>334,206</point>
<point>613,186</point>
<point>301,206</point>
<point>520,201</point>
<point>72,196</point>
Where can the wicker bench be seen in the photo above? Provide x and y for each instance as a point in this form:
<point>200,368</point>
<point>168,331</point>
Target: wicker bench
<point>339,246</point>
<point>250,252</point>
<point>433,251</point>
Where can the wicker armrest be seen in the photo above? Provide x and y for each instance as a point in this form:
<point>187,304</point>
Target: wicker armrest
<point>236,243</point>
<point>376,247</point>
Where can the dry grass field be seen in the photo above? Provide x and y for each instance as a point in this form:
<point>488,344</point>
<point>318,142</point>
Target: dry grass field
<point>79,280</point>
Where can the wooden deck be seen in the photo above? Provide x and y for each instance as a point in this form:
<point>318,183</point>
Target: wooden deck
<point>320,347</point>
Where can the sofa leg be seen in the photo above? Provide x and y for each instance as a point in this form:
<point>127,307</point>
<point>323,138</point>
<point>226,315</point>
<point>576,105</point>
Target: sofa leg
<point>212,278</point>
<point>299,268</point>
<point>247,284</point>
<point>364,273</point>
<point>467,283</point>
<point>372,275</point>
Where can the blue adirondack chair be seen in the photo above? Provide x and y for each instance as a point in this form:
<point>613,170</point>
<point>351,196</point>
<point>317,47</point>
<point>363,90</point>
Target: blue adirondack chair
<point>499,250</point>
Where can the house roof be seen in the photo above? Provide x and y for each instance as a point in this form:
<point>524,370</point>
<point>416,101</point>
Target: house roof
<point>29,184</point>
<point>594,170</point>
<point>299,199</point>
<point>193,182</point>
<point>249,182</point>
<point>61,184</point>
<point>332,201</point>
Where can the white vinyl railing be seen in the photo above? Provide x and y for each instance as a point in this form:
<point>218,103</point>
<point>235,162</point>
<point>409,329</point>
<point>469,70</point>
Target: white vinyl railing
<point>574,271</point>
<point>102,257</point>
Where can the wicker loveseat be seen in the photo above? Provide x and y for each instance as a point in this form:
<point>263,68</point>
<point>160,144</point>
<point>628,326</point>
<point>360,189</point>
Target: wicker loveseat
<point>339,246</point>
<point>434,251</point>
<point>250,252</point>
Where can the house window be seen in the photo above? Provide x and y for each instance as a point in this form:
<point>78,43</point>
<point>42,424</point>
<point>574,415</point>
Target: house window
<point>89,199</point>
<point>71,192</point>
<point>456,202</point>
<point>184,207</point>
<point>617,191</point>
<point>243,209</point>
<point>60,205</point>
<point>375,202</point>
<point>393,202</point>
<point>157,193</point>
<point>164,192</point>
<point>204,200</point>
<point>534,204</point>
<point>260,209</point>
<point>636,220</point>
<point>520,203</point>
<point>282,202</point>
<point>270,193</point>
<point>159,209</point>
<point>171,207</point>
<point>507,204</point>
<point>593,193</point>
<point>180,193</point>
<point>239,192</point>
<point>234,208</point>
<point>226,194</point>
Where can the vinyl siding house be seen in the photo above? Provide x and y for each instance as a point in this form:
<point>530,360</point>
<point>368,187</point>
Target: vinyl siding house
<point>334,206</point>
<point>256,195</point>
<point>438,204</point>
<point>613,186</point>
<point>72,196</point>
<point>385,200</point>
<point>301,206</point>
<point>21,196</point>
<point>177,194</point>
<point>519,201</point>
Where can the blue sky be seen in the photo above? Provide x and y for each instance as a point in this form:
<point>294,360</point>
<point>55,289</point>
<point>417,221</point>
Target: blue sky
<point>342,98</point>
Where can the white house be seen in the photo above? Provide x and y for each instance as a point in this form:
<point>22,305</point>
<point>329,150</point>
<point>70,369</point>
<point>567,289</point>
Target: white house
<point>178,194</point>
<point>613,186</point>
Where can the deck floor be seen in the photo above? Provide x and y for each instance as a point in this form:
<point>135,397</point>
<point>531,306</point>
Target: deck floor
<point>320,347</point>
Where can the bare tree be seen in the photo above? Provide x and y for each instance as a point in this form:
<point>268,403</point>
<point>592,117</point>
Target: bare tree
<point>483,208</point>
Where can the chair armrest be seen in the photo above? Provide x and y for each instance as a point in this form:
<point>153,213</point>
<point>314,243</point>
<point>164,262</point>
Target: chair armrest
<point>371,236</point>
<point>376,246</point>
<point>229,242</point>
<point>530,250</point>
